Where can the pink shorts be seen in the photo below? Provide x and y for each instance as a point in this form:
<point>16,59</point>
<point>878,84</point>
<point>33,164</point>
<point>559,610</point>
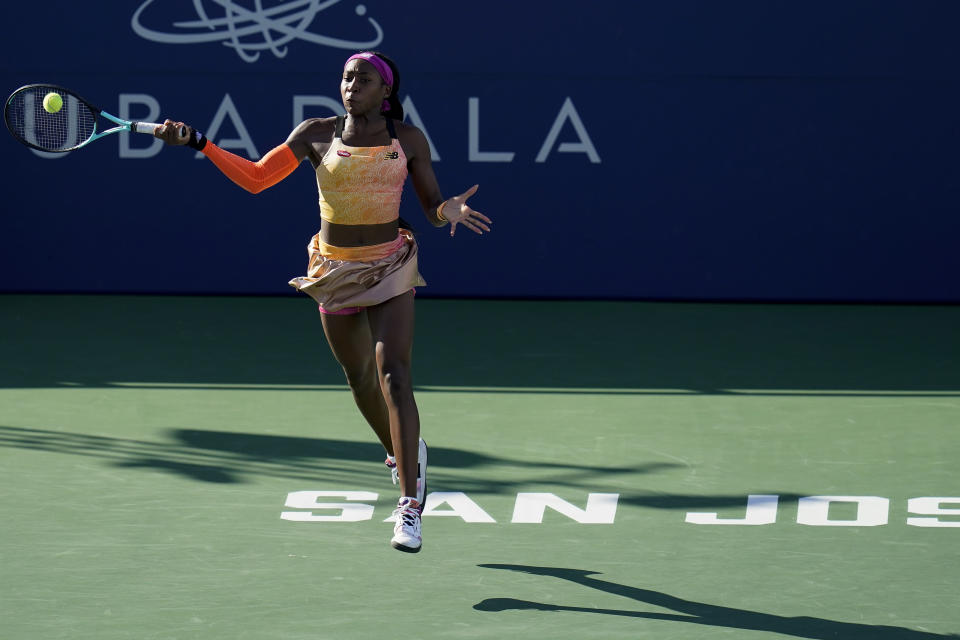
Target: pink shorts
<point>346,311</point>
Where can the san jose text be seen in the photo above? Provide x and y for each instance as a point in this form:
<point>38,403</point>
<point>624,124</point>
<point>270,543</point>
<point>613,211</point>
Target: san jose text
<point>601,508</point>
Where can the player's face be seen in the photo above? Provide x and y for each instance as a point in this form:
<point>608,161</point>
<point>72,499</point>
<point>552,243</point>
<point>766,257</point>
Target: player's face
<point>361,88</point>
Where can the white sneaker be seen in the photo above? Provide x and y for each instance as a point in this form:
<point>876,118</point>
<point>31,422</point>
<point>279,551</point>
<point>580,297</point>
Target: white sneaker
<point>422,474</point>
<point>406,531</point>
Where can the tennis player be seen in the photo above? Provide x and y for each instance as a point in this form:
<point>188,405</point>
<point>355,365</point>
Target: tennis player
<point>362,264</point>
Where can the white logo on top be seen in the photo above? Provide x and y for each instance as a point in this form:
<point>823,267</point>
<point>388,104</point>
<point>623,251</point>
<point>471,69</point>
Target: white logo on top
<point>252,30</point>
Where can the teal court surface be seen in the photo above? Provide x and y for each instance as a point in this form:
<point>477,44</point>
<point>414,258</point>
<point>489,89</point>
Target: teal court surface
<point>183,467</point>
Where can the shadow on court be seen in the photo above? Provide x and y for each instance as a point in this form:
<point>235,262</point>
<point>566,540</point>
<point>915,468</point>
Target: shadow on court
<point>232,458</point>
<point>228,457</point>
<point>700,613</point>
<point>52,341</point>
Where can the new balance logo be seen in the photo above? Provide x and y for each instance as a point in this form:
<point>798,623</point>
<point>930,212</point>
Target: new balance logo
<point>392,155</point>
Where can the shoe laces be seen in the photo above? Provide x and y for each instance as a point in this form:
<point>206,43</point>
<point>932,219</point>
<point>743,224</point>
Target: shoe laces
<point>407,514</point>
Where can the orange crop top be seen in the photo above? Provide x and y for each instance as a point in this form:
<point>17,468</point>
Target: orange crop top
<point>361,185</point>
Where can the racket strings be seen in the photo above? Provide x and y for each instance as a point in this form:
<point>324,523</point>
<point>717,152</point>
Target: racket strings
<point>73,124</point>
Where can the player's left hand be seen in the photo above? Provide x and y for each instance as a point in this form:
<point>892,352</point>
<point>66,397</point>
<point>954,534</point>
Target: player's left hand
<point>457,212</point>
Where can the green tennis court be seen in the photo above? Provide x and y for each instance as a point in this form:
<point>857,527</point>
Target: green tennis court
<point>166,462</point>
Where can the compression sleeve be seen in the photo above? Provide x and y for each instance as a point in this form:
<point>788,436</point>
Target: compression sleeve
<point>253,176</point>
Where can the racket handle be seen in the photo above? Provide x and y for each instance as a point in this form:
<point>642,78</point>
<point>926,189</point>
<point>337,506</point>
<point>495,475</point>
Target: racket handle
<point>144,127</point>
<point>149,127</point>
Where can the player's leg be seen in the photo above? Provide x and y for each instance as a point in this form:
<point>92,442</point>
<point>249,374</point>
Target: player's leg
<point>391,324</point>
<point>352,345</point>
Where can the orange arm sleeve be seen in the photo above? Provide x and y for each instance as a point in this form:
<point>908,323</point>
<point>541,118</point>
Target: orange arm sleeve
<point>253,176</point>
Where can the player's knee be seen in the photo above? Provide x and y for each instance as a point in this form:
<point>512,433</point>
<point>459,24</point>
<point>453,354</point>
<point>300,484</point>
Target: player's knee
<point>361,377</point>
<point>395,382</point>
<point>394,374</point>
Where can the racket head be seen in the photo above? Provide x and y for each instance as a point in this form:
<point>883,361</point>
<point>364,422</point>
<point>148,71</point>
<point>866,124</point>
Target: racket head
<point>73,126</point>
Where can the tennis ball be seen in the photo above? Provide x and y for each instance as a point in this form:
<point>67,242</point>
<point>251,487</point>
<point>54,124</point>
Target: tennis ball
<point>52,102</point>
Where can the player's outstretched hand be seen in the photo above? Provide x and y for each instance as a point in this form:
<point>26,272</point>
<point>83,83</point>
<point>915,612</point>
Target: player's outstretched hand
<point>170,132</point>
<point>457,212</point>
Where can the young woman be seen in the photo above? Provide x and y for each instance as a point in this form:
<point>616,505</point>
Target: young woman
<point>362,267</point>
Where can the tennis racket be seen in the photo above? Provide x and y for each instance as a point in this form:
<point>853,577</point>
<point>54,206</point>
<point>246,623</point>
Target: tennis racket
<point>73,126</point>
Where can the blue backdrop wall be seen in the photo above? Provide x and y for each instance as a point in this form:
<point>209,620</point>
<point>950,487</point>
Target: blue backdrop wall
<point>692,149</point>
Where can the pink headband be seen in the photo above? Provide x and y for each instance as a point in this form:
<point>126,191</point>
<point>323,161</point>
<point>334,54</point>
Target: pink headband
<point>382,68</point>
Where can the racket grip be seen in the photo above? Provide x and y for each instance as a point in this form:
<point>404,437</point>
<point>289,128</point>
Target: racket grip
<point>144,127</point>
<point>148,127</point>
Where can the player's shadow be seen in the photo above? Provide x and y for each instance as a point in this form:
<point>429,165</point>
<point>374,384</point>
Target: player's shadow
<point>231,457</point>
<point>223,457</point>
<point>700,613</point>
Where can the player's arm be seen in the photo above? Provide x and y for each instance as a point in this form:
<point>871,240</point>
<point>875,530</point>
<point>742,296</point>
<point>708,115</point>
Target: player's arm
<point>420,168</point>
<point>311,139</point>
<point>436,209</point>
<point>273,167</point>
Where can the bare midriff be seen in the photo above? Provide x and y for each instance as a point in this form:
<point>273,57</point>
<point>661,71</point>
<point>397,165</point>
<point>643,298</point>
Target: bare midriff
<point>357,235</point>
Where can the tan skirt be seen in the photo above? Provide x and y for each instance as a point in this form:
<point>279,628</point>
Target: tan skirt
<point>342,277</point>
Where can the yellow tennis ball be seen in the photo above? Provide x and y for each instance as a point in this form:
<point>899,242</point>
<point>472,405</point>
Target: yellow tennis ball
<point>52,102</point>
